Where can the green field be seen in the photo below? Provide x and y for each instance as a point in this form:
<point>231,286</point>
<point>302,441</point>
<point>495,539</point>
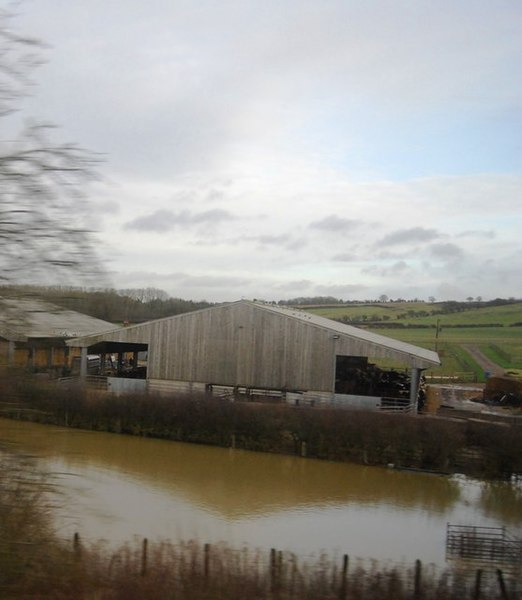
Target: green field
<point>447,333</point>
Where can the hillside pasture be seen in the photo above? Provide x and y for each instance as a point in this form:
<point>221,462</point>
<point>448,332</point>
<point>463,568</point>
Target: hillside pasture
<point>451,343</point>
<point>425,313</point>
<point>492,329</point>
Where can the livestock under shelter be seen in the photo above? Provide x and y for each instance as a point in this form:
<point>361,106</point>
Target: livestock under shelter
<point>33,334</point>
<point>253,349</point>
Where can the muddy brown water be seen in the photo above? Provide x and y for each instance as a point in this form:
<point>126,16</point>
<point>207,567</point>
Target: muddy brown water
<point>119,488</point>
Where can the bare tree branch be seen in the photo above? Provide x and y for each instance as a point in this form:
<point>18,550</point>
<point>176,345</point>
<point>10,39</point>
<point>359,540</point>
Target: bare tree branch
<point>42,184</point>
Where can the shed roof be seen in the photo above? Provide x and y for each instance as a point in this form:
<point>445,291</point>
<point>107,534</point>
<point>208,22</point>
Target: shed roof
<point>335,327</point>
<point>24,318</point>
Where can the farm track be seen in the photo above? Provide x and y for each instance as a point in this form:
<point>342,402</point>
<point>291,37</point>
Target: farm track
<point>483,360</point>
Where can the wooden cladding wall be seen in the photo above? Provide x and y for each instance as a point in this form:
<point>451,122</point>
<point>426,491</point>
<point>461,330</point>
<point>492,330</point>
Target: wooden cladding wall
<point>242,345</point>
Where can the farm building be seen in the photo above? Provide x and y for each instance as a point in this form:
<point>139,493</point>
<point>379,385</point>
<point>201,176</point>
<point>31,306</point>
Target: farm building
<point>254,348</point>
<point>33,334</point>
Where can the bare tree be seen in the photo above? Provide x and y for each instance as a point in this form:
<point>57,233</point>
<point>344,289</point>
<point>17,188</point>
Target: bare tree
<point>42,184</point>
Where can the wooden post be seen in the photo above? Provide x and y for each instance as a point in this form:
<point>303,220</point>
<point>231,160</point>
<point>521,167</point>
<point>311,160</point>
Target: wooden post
<point>83,363</point>
<point>417,581</point>
<point>303,449</point>
<point>502,585</point>
<point>144,557</point>
<point>414,389</point>
<point>77,548</point>
<point>10,353</point>
<point>344,574</point>
<point>206,559</point>
<point>233,440</point>
<point>273,569</point>
<point>478,578</point>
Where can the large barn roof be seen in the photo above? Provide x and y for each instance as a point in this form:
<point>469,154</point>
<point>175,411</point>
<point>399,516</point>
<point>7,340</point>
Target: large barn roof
<point>341,329</point>
<point>24,318</point>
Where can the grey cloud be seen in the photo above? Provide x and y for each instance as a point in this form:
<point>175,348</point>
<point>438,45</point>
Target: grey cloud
<point>475,233</point>
<point>297,244</point>
<point>164,220</point>
<point>179,278</point>
<point>345,257</point>
<point>269,240</point>
<point>215,281</point>
<point>406,236</point>
<point>340,290</point>
<point>446,251</point>
<point>293,286</point>
<point>399,268</point>
<point>334,223</point>
<point>211,216</point>
<point>159,221</point>
<point>283,240</point>
<point>387,255</point>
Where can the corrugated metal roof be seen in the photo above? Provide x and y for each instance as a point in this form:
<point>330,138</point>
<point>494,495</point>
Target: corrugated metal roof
<point>32,318</point>
<point>314,320</point>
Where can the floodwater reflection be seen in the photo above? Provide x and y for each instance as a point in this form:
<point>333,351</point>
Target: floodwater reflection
<point>115,487</point>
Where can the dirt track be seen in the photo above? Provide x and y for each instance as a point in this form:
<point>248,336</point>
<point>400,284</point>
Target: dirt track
<point>483,360</point>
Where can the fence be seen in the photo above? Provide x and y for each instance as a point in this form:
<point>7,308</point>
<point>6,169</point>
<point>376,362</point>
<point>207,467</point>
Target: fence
<point>487,545</point>
<point>454,377</point>
<point>277,574</point>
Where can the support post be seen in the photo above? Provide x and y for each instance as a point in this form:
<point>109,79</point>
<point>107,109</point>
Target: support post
<point>334,365</point>
<point>32,354</point>
<point>10,353</point>
<point>414,388</point>
<point>83,362</point>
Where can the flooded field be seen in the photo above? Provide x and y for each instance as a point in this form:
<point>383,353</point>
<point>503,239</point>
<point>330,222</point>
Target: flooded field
<point>115,487</point>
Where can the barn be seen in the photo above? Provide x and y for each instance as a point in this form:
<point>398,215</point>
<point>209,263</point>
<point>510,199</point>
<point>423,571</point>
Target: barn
<point>252,348</point>
<point>33,334</point>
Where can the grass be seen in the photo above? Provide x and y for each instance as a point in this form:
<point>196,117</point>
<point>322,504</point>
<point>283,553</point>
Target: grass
<point>409,313</point>
<point>451,344</point>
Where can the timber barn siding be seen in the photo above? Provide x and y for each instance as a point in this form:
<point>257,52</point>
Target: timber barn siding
<point>254,345</point>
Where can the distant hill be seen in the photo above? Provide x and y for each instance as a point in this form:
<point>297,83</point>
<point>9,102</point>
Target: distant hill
<point>425,314</point>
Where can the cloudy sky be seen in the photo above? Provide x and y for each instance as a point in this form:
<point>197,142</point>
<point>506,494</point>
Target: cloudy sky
<point>281,148</point>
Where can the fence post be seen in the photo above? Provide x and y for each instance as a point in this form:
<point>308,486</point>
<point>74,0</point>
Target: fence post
<point>273,569</point>
<point>502,585</point>
<point>303,449</point>
<point>77,547</point>
<point>144,557</point>
<point>478,579</point>
<point>417,581</point>
<point>344,573</point>
<point>207,559</point>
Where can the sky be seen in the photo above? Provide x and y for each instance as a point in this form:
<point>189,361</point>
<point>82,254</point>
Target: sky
<point>274,149</point>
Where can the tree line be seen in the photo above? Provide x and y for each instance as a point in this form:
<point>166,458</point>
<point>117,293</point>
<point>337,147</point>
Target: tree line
<point>117,306</point>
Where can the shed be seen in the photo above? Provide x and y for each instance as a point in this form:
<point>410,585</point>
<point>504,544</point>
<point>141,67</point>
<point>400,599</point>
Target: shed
<point>254,348</point>
<point>33,333</point>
